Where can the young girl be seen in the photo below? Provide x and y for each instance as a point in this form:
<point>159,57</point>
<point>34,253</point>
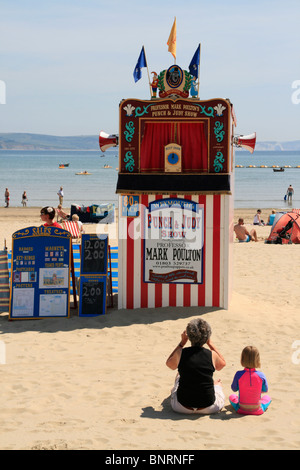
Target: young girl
<point>47,216</point>
<point>250,383</point>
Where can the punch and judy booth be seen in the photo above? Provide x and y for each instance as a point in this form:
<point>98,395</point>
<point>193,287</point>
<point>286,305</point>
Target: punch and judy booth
<point>175,187</point>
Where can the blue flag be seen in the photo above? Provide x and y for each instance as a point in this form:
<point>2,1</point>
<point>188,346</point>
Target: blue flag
<point>194,65</point>
<point>137,74</point>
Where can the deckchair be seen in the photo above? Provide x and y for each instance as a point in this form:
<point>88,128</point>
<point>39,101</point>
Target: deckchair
<point>4,281</point>
<point>73,228</point>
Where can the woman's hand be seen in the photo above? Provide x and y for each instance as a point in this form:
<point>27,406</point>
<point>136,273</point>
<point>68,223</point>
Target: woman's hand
<point>217,358</point>
<point>184,338</point>
<point>174,358</point>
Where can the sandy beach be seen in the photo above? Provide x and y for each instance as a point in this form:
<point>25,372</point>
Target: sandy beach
<point>102,383</point>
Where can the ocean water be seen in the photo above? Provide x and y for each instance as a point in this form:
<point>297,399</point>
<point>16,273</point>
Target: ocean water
<point>38,173</point>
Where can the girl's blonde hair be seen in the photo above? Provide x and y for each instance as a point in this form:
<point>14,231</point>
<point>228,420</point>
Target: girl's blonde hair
<point>250,357</point>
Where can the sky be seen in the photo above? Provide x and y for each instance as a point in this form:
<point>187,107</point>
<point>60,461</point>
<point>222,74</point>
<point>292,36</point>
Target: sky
<point>65,65</point>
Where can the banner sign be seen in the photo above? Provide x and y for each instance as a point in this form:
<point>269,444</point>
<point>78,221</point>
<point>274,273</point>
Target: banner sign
<point>40,281</point>
<point>173,246</point>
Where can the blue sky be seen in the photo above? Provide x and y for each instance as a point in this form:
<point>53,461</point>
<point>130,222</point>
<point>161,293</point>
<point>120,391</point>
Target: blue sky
<point>68,63</point>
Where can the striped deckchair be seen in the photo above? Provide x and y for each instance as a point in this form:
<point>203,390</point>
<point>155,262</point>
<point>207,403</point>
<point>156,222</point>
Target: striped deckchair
<point>4,282</point>
<point>73,228</point>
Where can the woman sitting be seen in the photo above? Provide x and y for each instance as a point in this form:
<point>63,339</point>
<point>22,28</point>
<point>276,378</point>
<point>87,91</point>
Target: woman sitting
<point>194,390</point>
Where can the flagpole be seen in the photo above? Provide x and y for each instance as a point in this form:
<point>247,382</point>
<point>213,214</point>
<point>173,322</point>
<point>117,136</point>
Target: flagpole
<point>148,73</point>
<point>199,69</point>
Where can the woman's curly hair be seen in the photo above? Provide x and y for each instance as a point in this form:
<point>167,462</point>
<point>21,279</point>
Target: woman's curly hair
<point>198,331</point>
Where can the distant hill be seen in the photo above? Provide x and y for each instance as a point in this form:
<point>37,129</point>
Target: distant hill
<point>269,145</point>
<point>24,141</point>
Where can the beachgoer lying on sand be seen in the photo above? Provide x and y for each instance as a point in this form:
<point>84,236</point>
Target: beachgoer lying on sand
<point>195,390</point>
<point>250,384</point>
<point>242,233</point>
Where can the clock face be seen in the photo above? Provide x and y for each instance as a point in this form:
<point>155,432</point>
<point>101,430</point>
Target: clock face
<point>173,158</point>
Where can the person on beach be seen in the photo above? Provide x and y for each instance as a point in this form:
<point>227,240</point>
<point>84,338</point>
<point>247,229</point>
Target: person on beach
<point>289,193</point>
<point>61,195</point>
<point>271,217</point>
<point>47,216</point>
<point>24,199</point>
<point>6,197</point>
<point>195,391</point>
<point>61,213</point>
<point>257,220</point>
<point>75,218</point>
<point>250,384</point>
<point>242,233</point>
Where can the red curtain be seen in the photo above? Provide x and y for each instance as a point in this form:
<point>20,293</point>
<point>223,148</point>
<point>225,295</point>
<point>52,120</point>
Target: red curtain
<point>190,135</point>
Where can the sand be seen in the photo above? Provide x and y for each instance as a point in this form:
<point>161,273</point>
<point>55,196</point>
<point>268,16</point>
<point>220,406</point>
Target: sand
<point>102,383</point>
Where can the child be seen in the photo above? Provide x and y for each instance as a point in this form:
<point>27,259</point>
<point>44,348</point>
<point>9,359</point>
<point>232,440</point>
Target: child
<point>250,383</point>
<point>47,216</point>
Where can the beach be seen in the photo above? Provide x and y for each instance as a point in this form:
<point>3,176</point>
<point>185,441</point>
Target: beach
<point>102,383</point>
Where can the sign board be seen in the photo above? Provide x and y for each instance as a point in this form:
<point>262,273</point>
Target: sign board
<point>94,254</point>
<point>130,206</point>
<point>92,295</point>
<point>93,275</point>
<point>173,246</point>
<point>40,280</point>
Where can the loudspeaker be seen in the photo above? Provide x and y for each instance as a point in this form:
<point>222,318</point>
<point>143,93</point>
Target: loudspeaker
<point>107,140</point>
<point>245,141</point>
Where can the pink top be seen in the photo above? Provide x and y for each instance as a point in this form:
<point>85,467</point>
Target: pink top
<point>250,383</point>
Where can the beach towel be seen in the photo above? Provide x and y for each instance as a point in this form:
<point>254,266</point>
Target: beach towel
<point>4,282</point>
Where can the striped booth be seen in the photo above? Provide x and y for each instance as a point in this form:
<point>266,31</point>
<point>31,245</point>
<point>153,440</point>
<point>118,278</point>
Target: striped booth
<point>175,187</point>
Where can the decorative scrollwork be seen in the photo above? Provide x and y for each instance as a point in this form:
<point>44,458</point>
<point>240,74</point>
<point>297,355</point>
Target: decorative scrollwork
<point>129,131</point>
<point>219,133</point>
<point>219,159</point>
<point>129,160</point>
<point>138,112</point>
<point>209,112</point>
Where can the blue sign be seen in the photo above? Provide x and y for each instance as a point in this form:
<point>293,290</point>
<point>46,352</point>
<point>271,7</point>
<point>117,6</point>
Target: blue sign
<point>40,280</point>
<point>130,206</point>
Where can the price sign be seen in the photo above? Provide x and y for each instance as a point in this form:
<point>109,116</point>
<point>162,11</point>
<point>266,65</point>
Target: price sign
<point>94,254</point>
<point>93,275</point>
<point>130,206</point>
<point>93,296</point>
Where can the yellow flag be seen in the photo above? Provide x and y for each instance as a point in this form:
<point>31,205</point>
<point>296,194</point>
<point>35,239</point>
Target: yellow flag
<point>172,40</point>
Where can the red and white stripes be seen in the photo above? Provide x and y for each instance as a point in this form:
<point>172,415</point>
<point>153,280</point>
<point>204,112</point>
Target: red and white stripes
<point>217,256</point>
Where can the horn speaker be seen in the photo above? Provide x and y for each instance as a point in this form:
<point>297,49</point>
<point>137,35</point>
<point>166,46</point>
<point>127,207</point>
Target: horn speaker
<point>107,140</point>
<point>245,141</point>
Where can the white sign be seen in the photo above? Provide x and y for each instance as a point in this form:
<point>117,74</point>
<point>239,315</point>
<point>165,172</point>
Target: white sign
<point>173,242</point>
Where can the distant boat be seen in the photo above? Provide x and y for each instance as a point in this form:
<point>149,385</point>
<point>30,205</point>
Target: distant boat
<point>278,169</point>
<point>83,173</point>
<point>107,166</point>
<point>63,165</point>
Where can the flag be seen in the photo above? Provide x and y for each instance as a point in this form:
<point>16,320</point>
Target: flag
<point>194,65</point>
<point>172,40</point>
<point>137,73</point>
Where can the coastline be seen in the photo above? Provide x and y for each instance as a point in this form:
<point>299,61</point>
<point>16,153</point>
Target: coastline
<point>101,383</point>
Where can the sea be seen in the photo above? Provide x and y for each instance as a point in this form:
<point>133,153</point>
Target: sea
<point>256,185</point>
